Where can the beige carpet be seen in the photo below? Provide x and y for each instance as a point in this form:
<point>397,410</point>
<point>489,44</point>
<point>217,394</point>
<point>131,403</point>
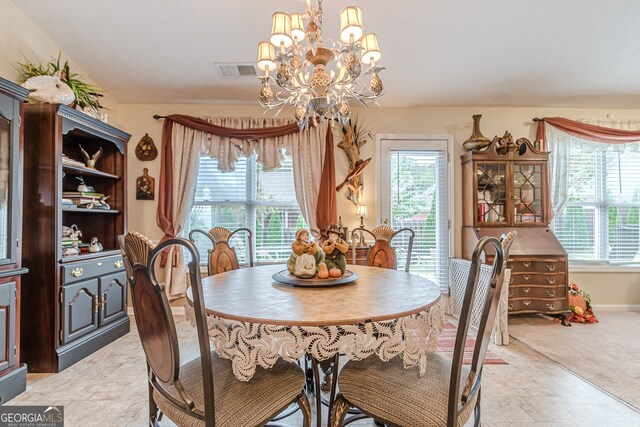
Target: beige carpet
<point>606,354</point>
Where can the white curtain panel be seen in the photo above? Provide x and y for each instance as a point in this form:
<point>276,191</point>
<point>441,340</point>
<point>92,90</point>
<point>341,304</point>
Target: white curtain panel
<point>559,143</point>
<point>305,148</point>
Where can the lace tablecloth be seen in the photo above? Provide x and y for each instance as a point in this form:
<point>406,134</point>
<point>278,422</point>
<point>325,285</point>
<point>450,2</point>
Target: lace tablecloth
<point>249,345</point>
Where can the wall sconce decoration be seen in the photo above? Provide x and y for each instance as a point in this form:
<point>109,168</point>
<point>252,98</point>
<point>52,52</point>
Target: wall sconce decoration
<point>145,186</point>
<point>354,136</point>
<point>146,149</point>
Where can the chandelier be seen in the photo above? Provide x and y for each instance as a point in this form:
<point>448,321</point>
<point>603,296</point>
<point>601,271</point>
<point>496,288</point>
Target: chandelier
<point>316,80</point>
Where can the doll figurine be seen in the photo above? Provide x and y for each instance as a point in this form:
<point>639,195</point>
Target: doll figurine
<point>335,249</point>
<point>306,256</point>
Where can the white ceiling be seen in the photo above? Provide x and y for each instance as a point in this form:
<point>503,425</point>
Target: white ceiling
<point>437,52</point>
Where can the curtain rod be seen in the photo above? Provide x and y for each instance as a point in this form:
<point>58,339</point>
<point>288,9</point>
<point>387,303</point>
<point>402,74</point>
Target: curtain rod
<point>535,119</point>
<point>158,117</point>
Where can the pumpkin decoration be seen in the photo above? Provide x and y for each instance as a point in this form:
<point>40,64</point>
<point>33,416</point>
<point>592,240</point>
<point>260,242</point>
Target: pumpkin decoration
<point>323,271</point>
<point>335,273</point>
<point>580,306</point>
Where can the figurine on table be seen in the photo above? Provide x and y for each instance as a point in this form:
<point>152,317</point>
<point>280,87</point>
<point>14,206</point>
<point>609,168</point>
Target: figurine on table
<point>335,249</point>
<point>306,256</point>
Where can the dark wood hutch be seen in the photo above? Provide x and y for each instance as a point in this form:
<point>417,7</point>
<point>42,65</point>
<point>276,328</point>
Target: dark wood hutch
<point>13,373</point>
<point>505,187</point>
<point>76,303</point>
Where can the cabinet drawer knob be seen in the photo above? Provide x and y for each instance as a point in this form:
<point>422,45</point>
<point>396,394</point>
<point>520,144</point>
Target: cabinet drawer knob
<point>526,302</point>
<point>551,306</point>
<point>77,272</point>
<point>527,264</point>
<point>526,290</point>
<point>551,280</point>
<point>526,276</point>
<point>118,264</point>
<point>510,306</point>
<point>551,267</point>
<point>550,293</point>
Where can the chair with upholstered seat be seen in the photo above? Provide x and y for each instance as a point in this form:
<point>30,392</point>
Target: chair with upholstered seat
<point>449,392</point>
<point>222,257</point>
<point>203,391</point>
<point>381,253</point>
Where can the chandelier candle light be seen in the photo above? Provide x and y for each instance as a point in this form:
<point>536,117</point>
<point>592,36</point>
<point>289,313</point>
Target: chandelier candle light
<point>317,81</point>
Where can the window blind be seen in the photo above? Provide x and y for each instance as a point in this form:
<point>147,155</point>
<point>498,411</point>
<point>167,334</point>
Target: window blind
<point>248,197</point>
<point>419,200</point>
<point>601,219</point>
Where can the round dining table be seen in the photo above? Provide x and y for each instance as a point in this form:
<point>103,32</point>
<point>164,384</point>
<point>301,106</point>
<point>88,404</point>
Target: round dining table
<point>253,320</point>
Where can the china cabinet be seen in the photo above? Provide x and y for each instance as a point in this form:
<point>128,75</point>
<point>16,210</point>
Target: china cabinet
<point>13,373</point>
<point>77,301</point>
<point>505,187</point>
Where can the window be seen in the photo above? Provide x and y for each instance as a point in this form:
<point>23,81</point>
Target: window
<point>600,221</point>
<point>264,202</point>
<point>414,194</point>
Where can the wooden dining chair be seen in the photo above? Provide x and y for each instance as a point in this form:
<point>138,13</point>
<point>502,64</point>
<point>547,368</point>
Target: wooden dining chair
<point>449,392</point>
<point>203,391</point>
<point>222,257</point>
<point>381,253</point>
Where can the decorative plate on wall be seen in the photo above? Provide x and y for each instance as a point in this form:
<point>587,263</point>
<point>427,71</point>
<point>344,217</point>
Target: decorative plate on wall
<point>146,149</point>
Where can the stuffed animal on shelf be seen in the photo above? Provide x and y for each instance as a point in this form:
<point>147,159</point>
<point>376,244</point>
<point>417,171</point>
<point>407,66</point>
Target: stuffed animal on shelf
<point>335,249</point>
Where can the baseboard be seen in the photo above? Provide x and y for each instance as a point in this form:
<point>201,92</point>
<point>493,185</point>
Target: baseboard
<point>615,308</point>
<point>176,311</point>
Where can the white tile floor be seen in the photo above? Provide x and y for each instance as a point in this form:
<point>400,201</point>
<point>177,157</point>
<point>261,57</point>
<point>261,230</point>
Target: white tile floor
<point>109,388</point>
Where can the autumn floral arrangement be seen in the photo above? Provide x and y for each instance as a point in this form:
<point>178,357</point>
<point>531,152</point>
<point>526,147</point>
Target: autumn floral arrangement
<point>580,306</point>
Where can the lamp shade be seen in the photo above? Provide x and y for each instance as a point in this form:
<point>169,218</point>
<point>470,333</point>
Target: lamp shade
<point>266,55</point>
<point>351,24</point>
<point>281,29</point>
<point>362,210</point>
<point>297,27</point>
<point>371,50</point>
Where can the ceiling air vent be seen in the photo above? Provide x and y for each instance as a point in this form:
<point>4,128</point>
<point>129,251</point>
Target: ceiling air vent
<point>227,70</point>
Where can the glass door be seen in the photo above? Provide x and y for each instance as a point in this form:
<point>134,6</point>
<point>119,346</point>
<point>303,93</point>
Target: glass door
<point>5,187</point>
<point>491,195</point>
<point>527,193</point>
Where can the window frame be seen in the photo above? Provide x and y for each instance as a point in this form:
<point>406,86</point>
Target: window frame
<point>435,142</point>
<point>601,238</point>
<point>250,204</point>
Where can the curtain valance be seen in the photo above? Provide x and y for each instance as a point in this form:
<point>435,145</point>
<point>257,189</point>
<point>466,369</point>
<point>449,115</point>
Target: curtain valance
<point>588,131</point>
<point>186,138</point>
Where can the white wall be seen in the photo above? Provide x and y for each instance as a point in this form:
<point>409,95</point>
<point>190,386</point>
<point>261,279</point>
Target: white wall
<point>617,287</point>
<point>20,36</point>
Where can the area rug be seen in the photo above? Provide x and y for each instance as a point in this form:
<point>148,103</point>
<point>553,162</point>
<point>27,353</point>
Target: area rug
<point>605,354</point>
<point>447,341</point>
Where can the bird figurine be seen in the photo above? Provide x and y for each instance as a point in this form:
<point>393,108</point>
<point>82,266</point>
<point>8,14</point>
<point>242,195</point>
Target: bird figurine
<point>90,161</point>
<point>49,89</point>
<point>94,245</point>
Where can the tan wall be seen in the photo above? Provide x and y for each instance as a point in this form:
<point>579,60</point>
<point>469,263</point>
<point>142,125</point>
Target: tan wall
<point>20,36</point>
<point>605,288</point>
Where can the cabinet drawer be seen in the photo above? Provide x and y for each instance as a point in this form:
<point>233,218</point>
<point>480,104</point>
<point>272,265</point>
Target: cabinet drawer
<point>88,269</point>
<point>538,279</point>
<point>537,266</point>
<point>539,305</point>
<point>537,291</point>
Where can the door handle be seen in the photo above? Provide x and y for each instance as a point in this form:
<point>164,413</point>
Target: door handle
<point>96,304</point>
<point>103,301</point>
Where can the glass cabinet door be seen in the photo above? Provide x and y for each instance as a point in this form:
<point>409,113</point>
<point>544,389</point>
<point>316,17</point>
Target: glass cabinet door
<point>527,192</point>
<point>5,186</point>
<point>491,192</point>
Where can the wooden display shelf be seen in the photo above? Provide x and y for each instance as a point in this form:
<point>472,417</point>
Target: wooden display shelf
<point>84,210</point>
<point>77,170</point>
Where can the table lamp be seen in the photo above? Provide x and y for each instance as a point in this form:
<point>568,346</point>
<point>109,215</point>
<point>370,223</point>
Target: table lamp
<point>362,213</point>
